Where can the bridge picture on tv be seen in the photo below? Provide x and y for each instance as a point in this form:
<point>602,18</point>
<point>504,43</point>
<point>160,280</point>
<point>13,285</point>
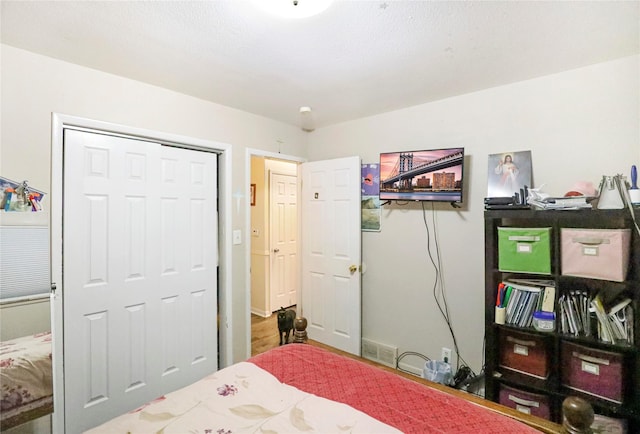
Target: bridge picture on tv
<point>430,175</point>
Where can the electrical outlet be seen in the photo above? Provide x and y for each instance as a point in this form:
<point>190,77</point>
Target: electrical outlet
<point>446,354</point>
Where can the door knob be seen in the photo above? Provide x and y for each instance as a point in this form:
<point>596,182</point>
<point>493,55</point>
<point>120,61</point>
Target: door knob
<point>353,269</point>
<point>276,250</point>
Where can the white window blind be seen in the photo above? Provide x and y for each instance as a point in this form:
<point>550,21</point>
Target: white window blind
<point>24,261</point>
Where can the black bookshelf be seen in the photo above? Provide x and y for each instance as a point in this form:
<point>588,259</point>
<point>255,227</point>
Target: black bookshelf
<point>552,386</point>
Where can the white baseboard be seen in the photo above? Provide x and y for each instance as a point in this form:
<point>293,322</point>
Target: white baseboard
<point>411,369</point>
<point>262,313</point>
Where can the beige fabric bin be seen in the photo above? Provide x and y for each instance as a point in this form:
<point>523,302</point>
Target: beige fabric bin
<point>595,253</point>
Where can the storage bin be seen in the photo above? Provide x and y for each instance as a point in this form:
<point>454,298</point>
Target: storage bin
<point>595,253</point>
<point>596,372</point>
<point>524,353</point>
<point>608,425</point>
<point>525,250</point>
<point>525,402</point>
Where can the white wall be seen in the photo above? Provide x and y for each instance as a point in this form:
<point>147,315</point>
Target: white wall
<point>579,125</point>
<point>34,86</point>
<point>24,318</point>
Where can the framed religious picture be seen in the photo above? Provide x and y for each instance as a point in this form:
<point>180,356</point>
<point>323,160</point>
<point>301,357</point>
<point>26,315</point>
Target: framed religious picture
<point>508,173</point>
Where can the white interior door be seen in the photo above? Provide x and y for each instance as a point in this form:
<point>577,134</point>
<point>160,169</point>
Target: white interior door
<point>139,273</point>
<point>331,252</point>
<point>283,237</point>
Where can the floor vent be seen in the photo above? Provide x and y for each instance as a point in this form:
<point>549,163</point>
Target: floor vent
<point>378,352</point>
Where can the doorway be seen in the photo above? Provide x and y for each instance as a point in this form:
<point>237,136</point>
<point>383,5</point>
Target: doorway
<point>273,276</point>
<point>274,235</point>
<point>329,216</point>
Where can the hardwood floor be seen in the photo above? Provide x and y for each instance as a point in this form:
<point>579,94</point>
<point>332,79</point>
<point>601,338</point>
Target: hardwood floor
<point>264,333</point>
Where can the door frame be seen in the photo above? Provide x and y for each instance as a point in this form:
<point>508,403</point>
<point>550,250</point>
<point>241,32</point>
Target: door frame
<point>58,123</point>
<point>250,152</point>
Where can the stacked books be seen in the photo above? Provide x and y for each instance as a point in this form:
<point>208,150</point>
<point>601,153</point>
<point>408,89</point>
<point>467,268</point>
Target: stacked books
<point>526,297</point>
<point>581,315</point>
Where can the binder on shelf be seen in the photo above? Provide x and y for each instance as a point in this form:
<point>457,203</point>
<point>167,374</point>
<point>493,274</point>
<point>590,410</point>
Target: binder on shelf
<point>619,316</point>
<point>575,315</point>
<point>513,302</point>
<point>525,297</point>
<point>521,305</point>
<point>526,319</point>
<point>581,315</point>
<point>548,299</point>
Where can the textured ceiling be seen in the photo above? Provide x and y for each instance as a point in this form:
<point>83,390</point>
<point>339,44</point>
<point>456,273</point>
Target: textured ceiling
<point>356,59</point>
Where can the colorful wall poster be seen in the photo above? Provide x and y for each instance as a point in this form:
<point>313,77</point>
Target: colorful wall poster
<point>370,200</point>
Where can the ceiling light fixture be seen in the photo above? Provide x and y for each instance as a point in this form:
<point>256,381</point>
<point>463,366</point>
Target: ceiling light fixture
<point>293,8</point>
<point>306,119</point>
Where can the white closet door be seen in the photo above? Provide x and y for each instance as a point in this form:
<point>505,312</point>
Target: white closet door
<point>139,271</point>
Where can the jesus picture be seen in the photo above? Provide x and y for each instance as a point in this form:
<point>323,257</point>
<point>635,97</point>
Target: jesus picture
<point>508,173</point>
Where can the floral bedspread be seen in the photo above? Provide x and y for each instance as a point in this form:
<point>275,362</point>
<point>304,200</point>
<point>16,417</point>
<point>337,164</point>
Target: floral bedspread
<point>242,398</point>
<point>25,372</point>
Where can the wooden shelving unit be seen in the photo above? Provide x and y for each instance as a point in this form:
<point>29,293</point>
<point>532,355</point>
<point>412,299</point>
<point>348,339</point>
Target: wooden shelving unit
<point>551,386</point>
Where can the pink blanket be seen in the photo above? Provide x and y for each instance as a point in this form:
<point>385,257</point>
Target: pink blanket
<point>407,405</point>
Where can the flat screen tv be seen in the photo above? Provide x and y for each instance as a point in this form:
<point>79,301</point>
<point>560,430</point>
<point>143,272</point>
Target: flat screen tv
<point>429,175</point>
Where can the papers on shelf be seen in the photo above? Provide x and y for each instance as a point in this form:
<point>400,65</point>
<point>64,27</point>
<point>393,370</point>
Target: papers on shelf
<point>581,315</point>
<point>616,324</point>
<point>571,202</point>
<point>541,200</point>
<point>574,313</point>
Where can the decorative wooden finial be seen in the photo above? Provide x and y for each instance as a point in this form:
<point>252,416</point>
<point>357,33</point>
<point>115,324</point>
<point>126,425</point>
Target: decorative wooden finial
<point>577,415</point>
<point>300,333</point>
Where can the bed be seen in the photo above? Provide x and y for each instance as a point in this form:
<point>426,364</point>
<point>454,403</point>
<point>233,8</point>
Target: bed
<point>303,387</point>
<point>25,379</point>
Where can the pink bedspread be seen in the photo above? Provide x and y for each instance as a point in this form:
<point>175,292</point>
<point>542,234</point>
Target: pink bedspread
<point>394,400</point>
